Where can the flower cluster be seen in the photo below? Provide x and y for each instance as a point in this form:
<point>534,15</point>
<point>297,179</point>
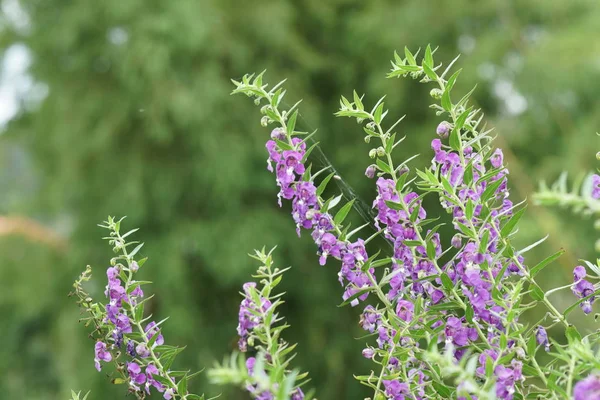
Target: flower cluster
<point>466,298</point>
<point>289,155</point>
<point>266,375</point>
<point>123,335</point>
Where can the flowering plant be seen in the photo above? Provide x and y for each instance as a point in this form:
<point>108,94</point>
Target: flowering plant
<point>123,334</point>
<point>440,311</point>
<point>443,315</point>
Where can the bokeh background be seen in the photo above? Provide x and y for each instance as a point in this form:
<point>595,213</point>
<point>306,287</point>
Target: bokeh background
<point>123,108</point>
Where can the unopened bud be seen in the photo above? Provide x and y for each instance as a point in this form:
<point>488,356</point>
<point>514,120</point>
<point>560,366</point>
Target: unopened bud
<point>370,172</point>
<point>436,93</point>
<point>367,139</point>
<point>264,121</point>
<point>372,153</point>
<point>380,151</point>
<point>257,101</point>
<point>443,129</point>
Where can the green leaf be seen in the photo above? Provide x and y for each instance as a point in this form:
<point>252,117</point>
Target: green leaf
<point>452,80</point>
<point>442,389</point>
<point>182,386</point>
<point>446,102</point>
<point>536,292</point>
<point>447,282</point>
<point>343,212</point>
<point>409,57</point>
<point>135,251</point>
<point>291,125</point>
<point>378,113</point>
<point>383,166</point>
<point>324,183</point>
<point>545,262</point>
<point>428,59</point>
<point>573,334</point>
<point>455,139</point>
<point>469,313</point>
<point>358,102</point>
<point>531,346</point>
<point>490,190</point>
<point>429,72</point>
<point>512,222</point>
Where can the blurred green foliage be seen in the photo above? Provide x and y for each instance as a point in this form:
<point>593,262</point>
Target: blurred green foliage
<point>138,121</point>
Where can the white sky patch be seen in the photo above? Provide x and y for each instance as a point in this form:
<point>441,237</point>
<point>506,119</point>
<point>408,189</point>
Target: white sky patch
<point>466,44</point>
<point>15,15</point>
<point>117,36</point>
<point>14,80</point>
<point>514,102</point>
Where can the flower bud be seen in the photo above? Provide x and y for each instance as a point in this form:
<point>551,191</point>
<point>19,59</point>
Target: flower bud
<point>371,125</point>
<point>367,139</point>
<point>443,129</point>
<point>142,350</point>
<point>372,153</point>
<point>257,101</point>
<point>264,121</point>
<point>134,266</point>
<point>368,353</point>
<point>370,172</point>
<point>598,155</point>
<point>380,151</point>
<point>456,241</point>
<point>265,108</point>
<point>436,93</point>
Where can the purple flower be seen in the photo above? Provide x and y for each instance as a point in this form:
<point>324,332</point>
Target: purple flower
<point>135,374</point>
<point>596,187</point>
<point>497,158</point>
<point>404,310</point>
<point>578,273</point>
<point>443,129</point>
<point>370,172</point>
<point>396,390</point>
<point>168,394</point>
<point>142,350</point>
<point>152,330</point>
<point>368,353</point>
<point>542,337</point>
<point>587,389</point>
<point>101,354</point>
<point>151,371</point>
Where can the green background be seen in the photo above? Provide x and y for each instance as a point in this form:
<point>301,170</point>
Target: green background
<point>137,120</point>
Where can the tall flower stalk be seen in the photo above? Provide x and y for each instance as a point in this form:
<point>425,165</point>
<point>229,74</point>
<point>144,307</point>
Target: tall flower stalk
<point>462,303</point>
<point>266,374</point>
<point>123,334</point>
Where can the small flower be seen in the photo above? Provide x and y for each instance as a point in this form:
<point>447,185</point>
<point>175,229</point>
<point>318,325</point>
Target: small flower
<point>587,389</point>
<point>101,354</point>
<point>370,172</point>
<point>168,394</point>
<point>404,310</point>
<point>497,158</point>
<point>443,129</point>
<point>542,337</point>
<point>142,350</point>
<point>368,353</point>
<point>578,273</point>
<point>135,374</point>
<point>596,187</point>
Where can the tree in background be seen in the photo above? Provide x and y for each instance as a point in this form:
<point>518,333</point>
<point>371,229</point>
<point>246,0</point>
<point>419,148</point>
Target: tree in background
<point>138,121</point>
